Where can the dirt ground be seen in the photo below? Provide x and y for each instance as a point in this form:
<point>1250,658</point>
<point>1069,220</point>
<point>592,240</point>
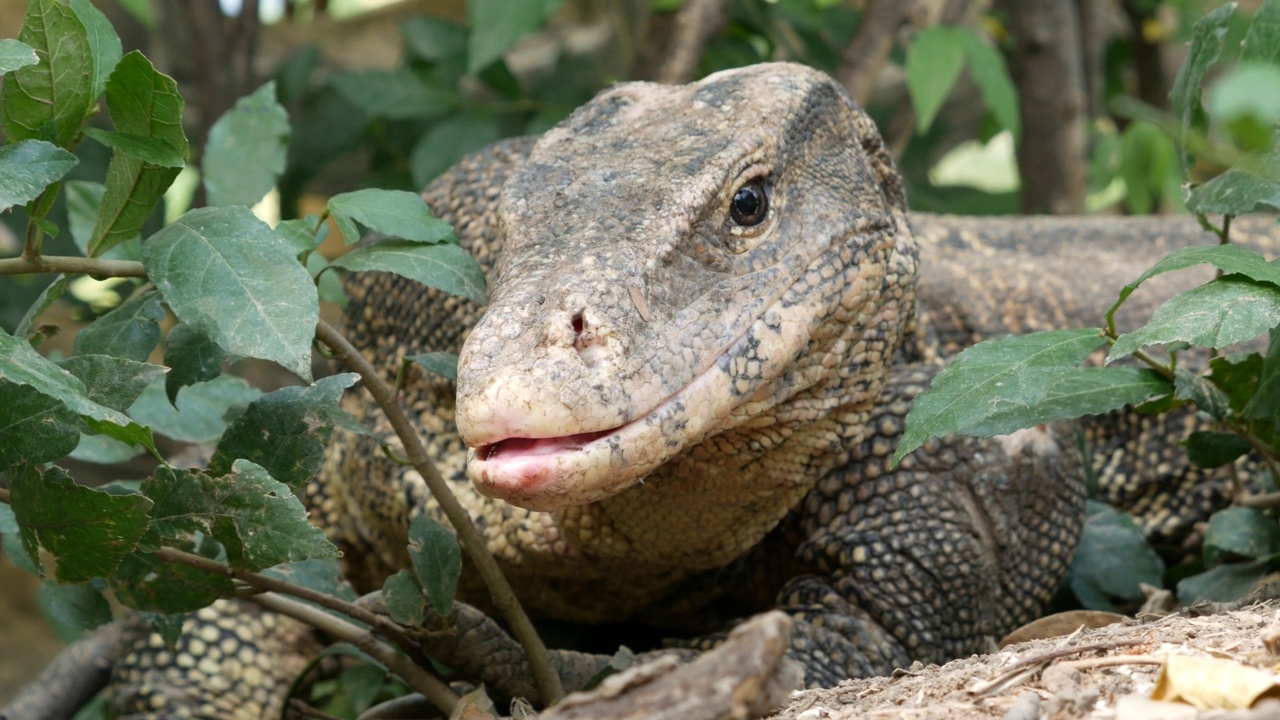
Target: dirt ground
<point>27,643</point>
<point>1098,674</point>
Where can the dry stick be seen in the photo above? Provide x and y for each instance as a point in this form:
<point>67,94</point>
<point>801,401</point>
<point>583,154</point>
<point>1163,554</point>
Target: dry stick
<point>417,678</point>
<point>504,599</point>
<point>862,60</point>
<point>60,264</point>
<point>694,24</point>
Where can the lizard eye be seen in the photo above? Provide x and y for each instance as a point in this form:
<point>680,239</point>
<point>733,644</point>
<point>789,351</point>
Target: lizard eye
<point>750,204</point>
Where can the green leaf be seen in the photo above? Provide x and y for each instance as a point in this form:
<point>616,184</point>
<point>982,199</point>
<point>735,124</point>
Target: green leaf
<point>404,599</point>
<point>319,574</point>
<point>246,150</point>
<point>1242,189</point>
<point>395,94</point>
<point>52,99</point>
<point>990,73</point>
<point>397,213</point>
<point>448,141</point>
<point>443,364</point>
<point>1215,449</point>
<point>167,625</point>
<point>104,44</point>
<point>1196,388</point>
<point>1112,559</point>
<point>1206,46</point>
<point>12,545</point>
<point>34,427</point>
<point>15,54</point>
<point>1224,583</point>
<point>285,431</point>
<point>1002,385</point>
<point>1225,311</point>
<point>87,531</point>
<point>84,199</point>
<point>1262,40</point>
<point>1227,258</point>
<point>112,381</point>
<point>328,284</point>
<point>300,233</point>
<point>496,25</point>
<point>52,292</point>
<point>437,561</point>
<point>256,518</point>
<point>198,415</point>
<point>433,39</point>
<point>446,267</point>
<point>193,358</point>
<point>145,582</point>
<point>19,363</point>
<point>293,74</point>
<point>266,307</point>
<point>144,104</point>
<point>934,62</point>
<point>1242,531</point>
<point>131,331</point>
<point>73,610</point>
<point>102,450</point>
<point>28,167</point>
<point>1262,397</point>
<point>148,149</point>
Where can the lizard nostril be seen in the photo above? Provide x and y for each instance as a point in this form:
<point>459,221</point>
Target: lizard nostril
<point>578,324</point>
<point>587,340</point>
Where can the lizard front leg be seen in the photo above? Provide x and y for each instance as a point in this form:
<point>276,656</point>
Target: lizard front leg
<point>964,540</point>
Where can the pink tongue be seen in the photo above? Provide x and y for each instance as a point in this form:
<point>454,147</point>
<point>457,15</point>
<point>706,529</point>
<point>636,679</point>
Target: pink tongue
<point>534,447</point>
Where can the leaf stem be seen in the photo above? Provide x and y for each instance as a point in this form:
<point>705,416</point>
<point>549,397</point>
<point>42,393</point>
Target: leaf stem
<point>416,677</point>
<point>69,264</point>
<point>504,599</point>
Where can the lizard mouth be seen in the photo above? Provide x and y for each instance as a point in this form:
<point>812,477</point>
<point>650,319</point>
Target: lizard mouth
<point>516,448</point>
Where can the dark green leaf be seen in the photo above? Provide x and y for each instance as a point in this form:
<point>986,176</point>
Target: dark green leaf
<point>497,25</point>
<point>73,610</point>
<point>991,75</point>
<point>620,661</point>
<point>1223,583</point>
<point>396,213</point>
<point>934,62</point>
<point>1214,449</point>
<point>1223,312</point>
<point>446,266</point>
<point>448,141</point>
<point>404,599</point>
<point>52,99</point>
<point>15,54</point>
<point>52,292</point>
<point>441,363</point>
<point>395,94</point>
<point>104,44</point>
<point>285,431</point>
<point>84,199</point>
<point>87,531</point>
<point>1206,45</point>
<point>192,357</point>
<point>145,582</point>
<point>319,574</point>
<point>363,684</point>
<point>1194,387</point>
<point>1002,385</point>
<point>112,381</point>
<point>1242,531</point>
<point>299,233</point>
<point>19,363</point>
<point>28,167</point>
<point>433,39</point>
<point>1242,189</point>
<point>246,150</point>
<point>34,427</point>
<point>437,561</point>
<point>168,626</point>
<point>143,103</point>
<point>130,331</point>
<point>256,518</point>
<point>293,76</point>
<point>1112,559</point>
<point>153,151</point>
<point>199,411</point>
<point>328,284</point>
<point>1262,40</point>
<point>1262,398</point>
<point>267,305</point>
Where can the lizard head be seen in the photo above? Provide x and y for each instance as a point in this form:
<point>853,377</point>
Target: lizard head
<point>677,262</point>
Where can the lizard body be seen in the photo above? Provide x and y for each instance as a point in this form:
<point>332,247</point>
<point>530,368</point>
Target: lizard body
<point>679,407</point>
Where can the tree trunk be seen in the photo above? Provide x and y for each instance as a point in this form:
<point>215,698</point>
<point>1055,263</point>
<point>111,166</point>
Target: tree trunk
<point>1049,74</point>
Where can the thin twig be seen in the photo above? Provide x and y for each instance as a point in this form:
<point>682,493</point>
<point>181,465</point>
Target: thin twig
<point>1114,660</point>
<point>65,264</point>
<point>865,55</point>
<point>415,677</point>
<point>504,599</point>
<point>696,21</point>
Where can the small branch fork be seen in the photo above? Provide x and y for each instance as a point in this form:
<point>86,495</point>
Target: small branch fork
<point>504,598</point>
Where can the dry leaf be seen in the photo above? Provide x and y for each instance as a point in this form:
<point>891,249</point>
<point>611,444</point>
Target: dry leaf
<point>1210,683</point>
<point>1063,623</point>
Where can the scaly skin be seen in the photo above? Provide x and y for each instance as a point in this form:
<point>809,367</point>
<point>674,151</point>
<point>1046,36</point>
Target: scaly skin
<point>679,420</point>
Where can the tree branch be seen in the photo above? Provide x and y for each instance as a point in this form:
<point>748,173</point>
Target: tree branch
<point>695,23</point>
<point>61,264</point>
<point>504,599</point>
<point>417,678</point>
<point>863,59</point>
<point>76,674</point>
